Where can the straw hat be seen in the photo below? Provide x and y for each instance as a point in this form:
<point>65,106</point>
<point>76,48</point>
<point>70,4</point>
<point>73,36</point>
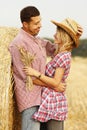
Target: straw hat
<point>70,26</point>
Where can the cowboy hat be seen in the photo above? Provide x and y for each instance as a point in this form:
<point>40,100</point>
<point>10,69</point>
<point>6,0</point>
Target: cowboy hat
<point>70,26</point>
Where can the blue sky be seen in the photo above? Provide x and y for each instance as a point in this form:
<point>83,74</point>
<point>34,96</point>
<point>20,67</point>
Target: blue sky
<point>50,10</point>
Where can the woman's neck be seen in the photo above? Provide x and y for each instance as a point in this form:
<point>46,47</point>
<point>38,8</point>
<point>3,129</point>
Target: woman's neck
<point>62,49</point>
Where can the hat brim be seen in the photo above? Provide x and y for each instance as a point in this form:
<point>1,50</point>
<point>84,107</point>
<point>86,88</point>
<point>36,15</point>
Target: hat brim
<point>70,32</point>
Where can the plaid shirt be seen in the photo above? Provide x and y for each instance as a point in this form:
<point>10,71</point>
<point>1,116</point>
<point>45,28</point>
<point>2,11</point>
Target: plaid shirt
<point>54,104</point>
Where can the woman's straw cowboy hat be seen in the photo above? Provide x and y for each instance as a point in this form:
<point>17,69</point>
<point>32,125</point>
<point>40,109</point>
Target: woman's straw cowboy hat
<point>70,26</point>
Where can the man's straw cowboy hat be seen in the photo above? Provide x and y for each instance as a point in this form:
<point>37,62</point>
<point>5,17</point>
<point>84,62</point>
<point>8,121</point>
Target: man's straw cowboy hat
<point>70,26</point>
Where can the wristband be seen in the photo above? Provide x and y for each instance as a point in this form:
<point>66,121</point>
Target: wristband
<point>39,76</point>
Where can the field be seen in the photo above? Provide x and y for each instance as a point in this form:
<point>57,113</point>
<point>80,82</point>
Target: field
<point>77,95</point>
<point>76,91</point>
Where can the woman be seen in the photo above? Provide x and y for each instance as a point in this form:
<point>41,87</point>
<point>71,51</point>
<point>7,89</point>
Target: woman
<point>53,108</point>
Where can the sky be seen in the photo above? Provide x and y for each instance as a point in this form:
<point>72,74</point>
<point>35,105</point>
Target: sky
<point>56,10</point>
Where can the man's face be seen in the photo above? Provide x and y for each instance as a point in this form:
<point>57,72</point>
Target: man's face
<point>33,27</point>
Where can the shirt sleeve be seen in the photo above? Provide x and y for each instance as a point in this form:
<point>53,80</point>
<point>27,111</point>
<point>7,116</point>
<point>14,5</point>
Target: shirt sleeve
<point>61,61</point>
<point>50,47</point>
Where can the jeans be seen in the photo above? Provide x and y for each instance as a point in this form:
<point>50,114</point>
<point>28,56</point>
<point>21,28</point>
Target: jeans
<point>52,125</point>
<point>27,122</point>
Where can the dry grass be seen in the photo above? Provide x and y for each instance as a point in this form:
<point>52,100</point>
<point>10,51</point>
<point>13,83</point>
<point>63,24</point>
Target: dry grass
<point>5,95</point>
<point>8,107</point>
<point>77,95</point>
<point>10,118</point>
<point>27,59</point>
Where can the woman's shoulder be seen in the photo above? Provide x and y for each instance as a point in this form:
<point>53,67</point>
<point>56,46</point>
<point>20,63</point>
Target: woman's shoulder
<point>63,54</point>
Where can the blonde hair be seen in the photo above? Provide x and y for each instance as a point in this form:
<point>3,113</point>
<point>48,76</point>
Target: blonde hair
<point>68,42</point>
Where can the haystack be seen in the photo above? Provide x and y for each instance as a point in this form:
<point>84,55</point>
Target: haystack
<point>9,116</point>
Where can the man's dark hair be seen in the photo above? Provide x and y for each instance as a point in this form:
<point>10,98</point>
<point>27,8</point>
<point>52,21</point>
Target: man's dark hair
<point>28,12</point>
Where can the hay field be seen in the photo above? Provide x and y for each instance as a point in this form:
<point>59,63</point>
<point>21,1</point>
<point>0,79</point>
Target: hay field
<point>76,90</point>
<point>77,95</point>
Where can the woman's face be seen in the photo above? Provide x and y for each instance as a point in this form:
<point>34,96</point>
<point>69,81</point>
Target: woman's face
<point>57,39</point>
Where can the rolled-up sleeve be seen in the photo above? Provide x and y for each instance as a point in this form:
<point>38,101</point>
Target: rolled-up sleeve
<point>50,48</point>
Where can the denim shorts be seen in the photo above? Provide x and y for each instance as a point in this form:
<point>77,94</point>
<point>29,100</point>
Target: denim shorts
<point>27,122</point>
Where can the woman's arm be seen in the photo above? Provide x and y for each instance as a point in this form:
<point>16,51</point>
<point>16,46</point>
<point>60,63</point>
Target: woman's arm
<point>54,83</point>
<point>39,82</point>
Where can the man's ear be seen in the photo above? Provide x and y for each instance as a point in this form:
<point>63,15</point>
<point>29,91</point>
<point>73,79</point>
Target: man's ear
<point>25,24</point>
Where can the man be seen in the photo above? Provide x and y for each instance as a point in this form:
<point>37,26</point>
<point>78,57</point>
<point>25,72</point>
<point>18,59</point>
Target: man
<point>28,101</point>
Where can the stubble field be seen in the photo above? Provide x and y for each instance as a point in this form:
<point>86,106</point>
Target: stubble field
<point>77,95</point>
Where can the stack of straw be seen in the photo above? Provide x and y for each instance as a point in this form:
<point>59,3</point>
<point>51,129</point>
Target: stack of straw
<point>9,115</point>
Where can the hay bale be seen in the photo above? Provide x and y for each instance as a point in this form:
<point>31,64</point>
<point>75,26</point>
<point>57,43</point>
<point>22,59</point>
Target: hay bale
<point>9,116</point>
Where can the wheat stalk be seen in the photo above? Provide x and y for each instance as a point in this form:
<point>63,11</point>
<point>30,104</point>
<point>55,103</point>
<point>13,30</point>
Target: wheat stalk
<point>27,59</point>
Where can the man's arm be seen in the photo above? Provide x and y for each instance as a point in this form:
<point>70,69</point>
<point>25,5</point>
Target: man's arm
<point>50,48</point>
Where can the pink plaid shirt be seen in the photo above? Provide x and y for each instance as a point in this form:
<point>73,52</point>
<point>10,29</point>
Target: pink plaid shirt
<point>37,46</point>
<point>54,104</point>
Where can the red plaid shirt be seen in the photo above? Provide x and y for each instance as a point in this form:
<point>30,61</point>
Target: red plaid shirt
<point>54,104</point>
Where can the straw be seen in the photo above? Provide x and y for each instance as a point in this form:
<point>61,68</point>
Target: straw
<point>7,102</point>
<point>27,59</point>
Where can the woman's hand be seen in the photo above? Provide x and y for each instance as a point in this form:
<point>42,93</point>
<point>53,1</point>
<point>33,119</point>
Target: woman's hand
<point>61,87</point>
<point>31,72</point>
<point>79,31</point>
